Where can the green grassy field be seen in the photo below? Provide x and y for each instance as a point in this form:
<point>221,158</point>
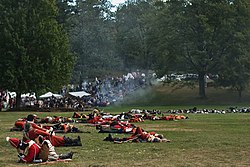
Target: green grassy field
<point>214,140</point>
<point>202,140</point>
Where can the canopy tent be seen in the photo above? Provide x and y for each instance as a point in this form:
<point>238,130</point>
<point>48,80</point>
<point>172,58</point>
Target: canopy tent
<point>50,94</point>
<point>79,94</point>
<point>13,95</point>
<point>28,95</point>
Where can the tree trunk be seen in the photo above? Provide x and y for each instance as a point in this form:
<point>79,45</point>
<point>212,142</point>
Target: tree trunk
<point>18,100</point>
<point>202,91</point>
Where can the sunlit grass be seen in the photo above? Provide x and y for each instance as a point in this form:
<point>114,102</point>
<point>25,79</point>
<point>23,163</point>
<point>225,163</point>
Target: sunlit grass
<point>201,140</point>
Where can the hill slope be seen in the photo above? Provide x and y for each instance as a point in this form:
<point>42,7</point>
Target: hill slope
<point>164,95</point>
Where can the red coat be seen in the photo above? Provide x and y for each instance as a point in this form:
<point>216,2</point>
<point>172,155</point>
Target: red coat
<point>57,141</point>
<point>33,151</point>
<point>76,115</point>
<point>20,124</point>
<point>32,134</point>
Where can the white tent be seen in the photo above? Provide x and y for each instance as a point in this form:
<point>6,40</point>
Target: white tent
<point>50,94</point>
<point>79,94</point>
<point>28,95</point>
<point>13,95</point>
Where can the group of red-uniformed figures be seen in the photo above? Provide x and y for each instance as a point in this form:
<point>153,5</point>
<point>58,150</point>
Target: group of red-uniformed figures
<point>38,144</point>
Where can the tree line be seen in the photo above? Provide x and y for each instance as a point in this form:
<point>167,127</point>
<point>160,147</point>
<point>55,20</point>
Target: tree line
<point>48,43</point>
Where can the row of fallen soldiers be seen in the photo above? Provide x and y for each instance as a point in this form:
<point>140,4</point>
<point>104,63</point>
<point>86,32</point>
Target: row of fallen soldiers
<point>104,124</point>
<point>57,126</point>
<point>38,143</point>
<point>62,124</point>
<point>35,137</point>
<point>138,134</point>
<point>100,117</point>
<point>114,125</point>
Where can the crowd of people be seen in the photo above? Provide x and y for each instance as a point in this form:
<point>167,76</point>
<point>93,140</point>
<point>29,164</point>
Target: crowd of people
<point>103,92</point>
<point>6,100</point>
<point>111,89</point>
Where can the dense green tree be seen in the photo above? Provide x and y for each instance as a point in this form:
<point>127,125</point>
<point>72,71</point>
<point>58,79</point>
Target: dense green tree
<point>66,10</point>
<point>34,51</point>
<point>164,55</point>
<point>132,42</point>
<point>92,41</point>
<point>235,69</point>
<point>198,33</point>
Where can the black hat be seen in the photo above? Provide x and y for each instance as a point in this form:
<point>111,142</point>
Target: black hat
<point>30,117</point>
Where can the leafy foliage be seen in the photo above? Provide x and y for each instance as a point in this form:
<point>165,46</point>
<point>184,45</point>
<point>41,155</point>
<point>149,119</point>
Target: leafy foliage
<point>132,43</point>
<point>34,51</point>
<point>92,41</point>
<point>200,34</point>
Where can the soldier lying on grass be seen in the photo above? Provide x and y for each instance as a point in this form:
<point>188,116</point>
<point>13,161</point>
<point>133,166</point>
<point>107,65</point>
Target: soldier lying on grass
<point>139,136</point>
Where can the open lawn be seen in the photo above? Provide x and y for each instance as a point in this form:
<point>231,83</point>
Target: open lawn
<point>202,140</point>
<point>216,140</point>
